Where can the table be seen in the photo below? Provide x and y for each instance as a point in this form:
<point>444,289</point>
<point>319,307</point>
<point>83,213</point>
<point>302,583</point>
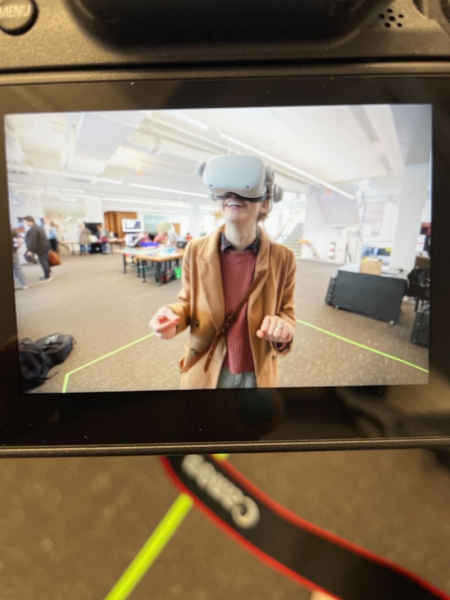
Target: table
<point>142,257</point>
<point>376,296</point>
<point>71,245</point>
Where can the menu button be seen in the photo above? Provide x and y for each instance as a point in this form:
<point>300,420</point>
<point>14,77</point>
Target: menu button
<point>17,16</point>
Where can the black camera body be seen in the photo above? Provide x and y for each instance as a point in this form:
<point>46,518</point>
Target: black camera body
<point>332,35</point>
<point>61,56</point>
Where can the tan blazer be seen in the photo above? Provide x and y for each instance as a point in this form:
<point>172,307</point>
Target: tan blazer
<point>201,307</point>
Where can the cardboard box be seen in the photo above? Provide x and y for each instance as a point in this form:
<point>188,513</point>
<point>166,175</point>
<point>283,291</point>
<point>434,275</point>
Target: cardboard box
<point>371,266</point>
<point>422,262</point>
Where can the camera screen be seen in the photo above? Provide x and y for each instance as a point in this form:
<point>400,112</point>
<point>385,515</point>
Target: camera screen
<point>221,248</point>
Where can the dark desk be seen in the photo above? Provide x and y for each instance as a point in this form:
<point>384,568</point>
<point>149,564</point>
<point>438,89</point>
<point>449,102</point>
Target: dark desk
<point>376,296</point>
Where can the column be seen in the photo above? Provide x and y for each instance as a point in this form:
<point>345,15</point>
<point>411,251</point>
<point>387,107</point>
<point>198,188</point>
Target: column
<point>195,215</point>
<point>413,196</point>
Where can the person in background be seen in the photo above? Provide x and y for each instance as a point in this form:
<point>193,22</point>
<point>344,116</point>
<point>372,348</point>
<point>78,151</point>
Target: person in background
<point>147,241</point>
<point>37,243</point>
<point>102,235</point>
<point>162,238</point>
<point>85,240</point>
<point>17,242</point>
<point>172,236</point>
<point>188,237</point>
<point>52,233</point>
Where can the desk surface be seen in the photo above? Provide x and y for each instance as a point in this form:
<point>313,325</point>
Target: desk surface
<point>355,268</point>
<point>143,254</point>
<point>111,241</point>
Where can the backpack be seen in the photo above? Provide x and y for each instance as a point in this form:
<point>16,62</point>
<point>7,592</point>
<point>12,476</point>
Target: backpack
<point>34,365</point>
<point>57,347</point>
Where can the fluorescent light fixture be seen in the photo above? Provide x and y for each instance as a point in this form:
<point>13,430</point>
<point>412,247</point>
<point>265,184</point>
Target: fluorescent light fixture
<point>188,119</point>
<point>95,180</point>
<point>207,206</point>
<point>74,191</point>
<point>69,199</point>
<point>168,203</point>
<point>158,189</point>
<point>329,186</point>
<point>68,174</point>
<point>69,219</point>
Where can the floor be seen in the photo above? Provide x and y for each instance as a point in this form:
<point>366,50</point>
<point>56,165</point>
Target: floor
<point>69,527</point>
<point>108,313</point>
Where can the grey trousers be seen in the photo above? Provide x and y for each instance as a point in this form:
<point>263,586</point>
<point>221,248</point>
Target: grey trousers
<point>227,379</point>
<point>18,270</point>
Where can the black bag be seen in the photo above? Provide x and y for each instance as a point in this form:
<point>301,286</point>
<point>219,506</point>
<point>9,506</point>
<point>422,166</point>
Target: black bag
<point>421,329</point>
<point>34,365</point>
<point>57,347</point>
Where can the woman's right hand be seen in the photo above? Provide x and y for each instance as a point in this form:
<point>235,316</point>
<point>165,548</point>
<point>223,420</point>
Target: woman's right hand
<point>164,323</point>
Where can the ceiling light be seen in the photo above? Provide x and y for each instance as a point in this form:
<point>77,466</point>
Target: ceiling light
<point>168,203</point>
<point>69,199</point>
<point>329,186</point>
<point>158,189</point>
<point>72,191</point>
<point>95,180</point>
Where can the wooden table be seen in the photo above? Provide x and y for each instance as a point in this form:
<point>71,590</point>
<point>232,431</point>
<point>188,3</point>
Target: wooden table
<point>71,245</point>
<point>142,259</point>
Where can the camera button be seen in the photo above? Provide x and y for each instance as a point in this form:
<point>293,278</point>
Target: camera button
<point>17,16</point>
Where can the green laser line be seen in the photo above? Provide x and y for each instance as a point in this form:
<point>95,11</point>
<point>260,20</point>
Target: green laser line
<point>155,544</point>
<point>343,339</point>
<point>66,378</point>
<point>152,548</point>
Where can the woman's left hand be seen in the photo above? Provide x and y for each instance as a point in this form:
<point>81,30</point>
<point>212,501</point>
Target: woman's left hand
<point>275,329</point>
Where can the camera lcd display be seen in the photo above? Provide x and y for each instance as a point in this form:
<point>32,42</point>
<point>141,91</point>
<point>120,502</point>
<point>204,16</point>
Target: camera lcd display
<point>136,234</point>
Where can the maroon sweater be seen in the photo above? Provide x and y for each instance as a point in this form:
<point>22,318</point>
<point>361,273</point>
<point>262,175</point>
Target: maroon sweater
<point>237,275</point>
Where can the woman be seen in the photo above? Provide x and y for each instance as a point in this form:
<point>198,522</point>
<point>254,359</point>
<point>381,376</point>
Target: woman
<point>85,240</point>
<point>236,273</point>
<point>103,237</point>
<point>17,242</point>
<point>52,233</point>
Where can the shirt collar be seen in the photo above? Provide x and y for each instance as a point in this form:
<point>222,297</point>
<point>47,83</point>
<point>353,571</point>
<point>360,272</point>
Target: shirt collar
<point>227,245</point>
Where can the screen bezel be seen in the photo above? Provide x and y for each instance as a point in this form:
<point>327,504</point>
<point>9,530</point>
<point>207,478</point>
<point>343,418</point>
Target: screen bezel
<point>94,412</point>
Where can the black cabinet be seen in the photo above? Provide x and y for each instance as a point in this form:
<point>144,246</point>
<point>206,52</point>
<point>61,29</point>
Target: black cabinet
<point>376,296</point>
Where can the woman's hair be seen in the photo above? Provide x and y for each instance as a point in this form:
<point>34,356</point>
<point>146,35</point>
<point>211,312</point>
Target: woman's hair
<point>263,216</point>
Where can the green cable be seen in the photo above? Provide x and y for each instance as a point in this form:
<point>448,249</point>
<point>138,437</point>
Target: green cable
<point>66,378</point>
<point>152,548</point>
<point>154,545</point>
<point>343,339</point>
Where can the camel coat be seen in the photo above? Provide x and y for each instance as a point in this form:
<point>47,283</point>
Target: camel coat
<point>201,307</point>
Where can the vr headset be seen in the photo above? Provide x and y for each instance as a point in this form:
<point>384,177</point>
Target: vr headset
<point>245,176</point>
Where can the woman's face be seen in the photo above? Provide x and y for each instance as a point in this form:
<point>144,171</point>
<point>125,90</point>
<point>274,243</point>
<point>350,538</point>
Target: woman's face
<point>243,212</point>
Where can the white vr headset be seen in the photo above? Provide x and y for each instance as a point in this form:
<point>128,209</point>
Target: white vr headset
<point>246,176</point>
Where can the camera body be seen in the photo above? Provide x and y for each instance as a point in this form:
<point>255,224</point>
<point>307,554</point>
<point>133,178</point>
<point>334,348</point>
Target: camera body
<point>101,35</point>
<point>111,55</point>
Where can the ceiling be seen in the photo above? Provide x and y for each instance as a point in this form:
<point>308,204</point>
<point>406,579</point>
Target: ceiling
<point>148,160</point>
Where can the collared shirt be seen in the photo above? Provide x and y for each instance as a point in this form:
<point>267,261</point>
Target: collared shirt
<point>227,245</point>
